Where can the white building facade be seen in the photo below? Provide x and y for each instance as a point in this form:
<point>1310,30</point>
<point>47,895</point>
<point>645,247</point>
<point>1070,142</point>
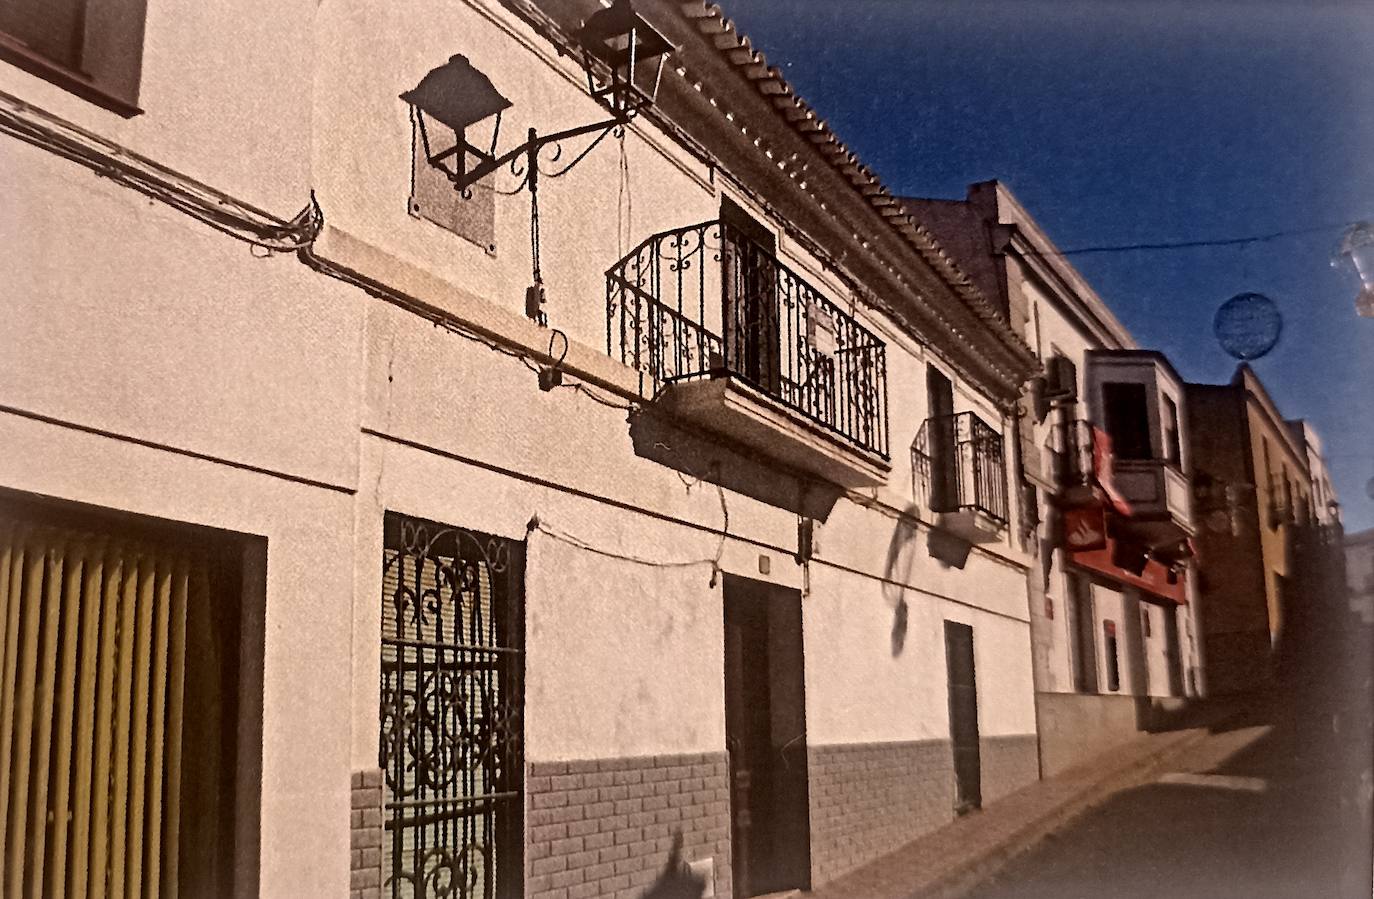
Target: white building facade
<point>1107,482</point>
<point>379,577</point>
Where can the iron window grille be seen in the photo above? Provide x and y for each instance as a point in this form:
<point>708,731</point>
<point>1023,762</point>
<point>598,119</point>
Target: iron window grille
<point>706,301</point>
<point>452,702</point>
<point>960,465</point>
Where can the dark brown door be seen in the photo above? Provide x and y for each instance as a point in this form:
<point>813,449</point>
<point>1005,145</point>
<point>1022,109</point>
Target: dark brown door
<point>1128,419</point>
<point>963,716</point>
<point>1172,652</point>
<point>765,732</point>
<point>752,335</point>
<point>1079,609</point>
<point>944,485</point>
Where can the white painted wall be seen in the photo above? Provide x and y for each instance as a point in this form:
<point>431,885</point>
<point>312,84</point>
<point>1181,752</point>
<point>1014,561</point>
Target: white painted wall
<point>151,365</point>
<point>1055,328</point>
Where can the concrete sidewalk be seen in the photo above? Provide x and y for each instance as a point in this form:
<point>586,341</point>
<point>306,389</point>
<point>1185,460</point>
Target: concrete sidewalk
<point>953,859</point>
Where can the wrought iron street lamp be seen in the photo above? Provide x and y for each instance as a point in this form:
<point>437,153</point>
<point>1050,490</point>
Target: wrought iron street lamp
<point>618,48</point>
<point>1357,248</point>
<point>457,95</point>
<point>617,44</point>
<point>625,43</point>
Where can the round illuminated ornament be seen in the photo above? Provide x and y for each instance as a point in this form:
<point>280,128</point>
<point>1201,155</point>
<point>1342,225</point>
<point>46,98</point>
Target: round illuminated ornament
<point>1248,325</point>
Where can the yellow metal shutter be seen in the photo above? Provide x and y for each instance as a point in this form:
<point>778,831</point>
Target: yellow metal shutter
<point>92,659</point>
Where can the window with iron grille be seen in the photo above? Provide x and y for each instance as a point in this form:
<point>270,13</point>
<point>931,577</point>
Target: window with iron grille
<point>452,704</point>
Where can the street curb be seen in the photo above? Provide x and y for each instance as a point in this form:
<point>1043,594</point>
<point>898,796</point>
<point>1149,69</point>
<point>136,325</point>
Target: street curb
<point>967,875</point>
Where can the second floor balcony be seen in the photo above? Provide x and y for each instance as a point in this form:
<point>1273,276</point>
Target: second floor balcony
<point>961,469</point>
<point>1156,491</point>
<point>725,334</point>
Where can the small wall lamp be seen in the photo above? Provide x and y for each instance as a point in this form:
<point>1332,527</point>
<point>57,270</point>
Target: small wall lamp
<point>621,38</point>
<point>457,95</point>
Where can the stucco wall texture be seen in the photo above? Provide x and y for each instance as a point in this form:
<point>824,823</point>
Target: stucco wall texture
<point>151,365</point>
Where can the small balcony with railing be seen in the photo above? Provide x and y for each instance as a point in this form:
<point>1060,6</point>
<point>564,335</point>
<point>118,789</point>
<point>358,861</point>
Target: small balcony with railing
<point>961,475</point>
<point>1156,491</point>
<point>725,335</point>
<point>1137,398</point>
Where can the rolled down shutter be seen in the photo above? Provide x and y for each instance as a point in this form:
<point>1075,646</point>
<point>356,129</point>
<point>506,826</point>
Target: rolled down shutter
<point>92,660</point>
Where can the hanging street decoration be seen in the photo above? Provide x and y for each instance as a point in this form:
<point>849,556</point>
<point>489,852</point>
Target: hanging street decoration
<point>1356,249</point>
<point>1248,325</point>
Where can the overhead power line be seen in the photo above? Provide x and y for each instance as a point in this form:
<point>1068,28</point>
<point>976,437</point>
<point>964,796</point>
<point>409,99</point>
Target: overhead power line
<point>1190,244</point>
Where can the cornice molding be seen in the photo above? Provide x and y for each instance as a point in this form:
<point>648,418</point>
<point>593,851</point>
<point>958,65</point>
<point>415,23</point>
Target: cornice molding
<point>831,196</point>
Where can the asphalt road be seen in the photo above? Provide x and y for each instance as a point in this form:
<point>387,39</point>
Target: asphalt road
<point>1269,809</point>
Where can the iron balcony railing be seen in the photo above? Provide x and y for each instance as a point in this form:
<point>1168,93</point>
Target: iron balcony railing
<point>707,301</point>
<point>959,463</point>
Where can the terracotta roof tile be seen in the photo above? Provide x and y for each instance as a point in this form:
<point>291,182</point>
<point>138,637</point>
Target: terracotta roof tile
<point>736,49</point>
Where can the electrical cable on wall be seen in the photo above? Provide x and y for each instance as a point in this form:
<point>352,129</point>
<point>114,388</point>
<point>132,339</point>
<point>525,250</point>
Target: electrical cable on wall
<point>227,215</point>
<point>535,524</point>
<point>624,203</point>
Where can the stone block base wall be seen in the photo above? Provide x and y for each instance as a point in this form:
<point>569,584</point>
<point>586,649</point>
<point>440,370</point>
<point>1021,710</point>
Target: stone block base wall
<point>365,829</point>
<point>1008,764</point>
<point>869,798</point>
<point>604,827</point>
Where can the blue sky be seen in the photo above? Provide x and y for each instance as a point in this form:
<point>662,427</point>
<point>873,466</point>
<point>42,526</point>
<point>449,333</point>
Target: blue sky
<point>1135,122</point>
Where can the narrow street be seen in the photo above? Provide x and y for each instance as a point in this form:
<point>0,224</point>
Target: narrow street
<point>1272,805</point>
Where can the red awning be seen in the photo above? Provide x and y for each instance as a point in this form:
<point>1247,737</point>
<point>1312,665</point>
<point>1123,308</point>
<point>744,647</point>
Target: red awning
<point>1153,579</point>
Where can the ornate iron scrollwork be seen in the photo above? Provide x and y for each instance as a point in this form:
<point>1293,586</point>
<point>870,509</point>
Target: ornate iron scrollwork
<point>707,300</point>
<point>451,720</point>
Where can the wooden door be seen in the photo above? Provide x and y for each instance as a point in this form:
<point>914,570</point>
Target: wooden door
<point>944,484</point>
<point>963,716</point>
<point>765,729</point>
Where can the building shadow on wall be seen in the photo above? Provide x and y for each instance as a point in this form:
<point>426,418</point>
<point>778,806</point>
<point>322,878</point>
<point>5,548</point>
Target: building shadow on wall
<point>947,549</point>
<point>676,880</point>
<point>714,459</point>
<point>901,556</point>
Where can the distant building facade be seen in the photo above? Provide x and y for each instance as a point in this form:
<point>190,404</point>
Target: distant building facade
<point>1254,468</point>
<point>1359,574</point>
<point>1106,470</point>
<point>1324,509</point>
